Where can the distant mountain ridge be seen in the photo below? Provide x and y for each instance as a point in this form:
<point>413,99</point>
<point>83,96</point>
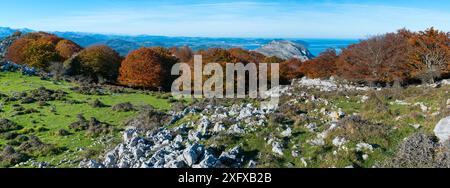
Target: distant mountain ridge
<point>6,31</point>
<point>126,43</point>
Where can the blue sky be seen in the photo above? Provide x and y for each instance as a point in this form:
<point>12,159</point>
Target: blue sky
<point>214,18</point>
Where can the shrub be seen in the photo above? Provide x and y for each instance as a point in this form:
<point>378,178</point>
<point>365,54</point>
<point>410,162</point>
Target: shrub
<point>7,125</point>
<point>93,127</point>
<point>62,132</point>
<point>97,104</point>
<point>149,119</point>
<point>35,147</point>
<point>357,129</point>
<point>147,68</point>
<point>123,107</point>
<point>97,62</point>
<point>421,151</point>
<point>10,157</point>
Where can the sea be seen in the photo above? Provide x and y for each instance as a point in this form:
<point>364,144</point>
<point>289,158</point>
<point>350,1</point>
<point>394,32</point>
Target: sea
<point>317,46</point>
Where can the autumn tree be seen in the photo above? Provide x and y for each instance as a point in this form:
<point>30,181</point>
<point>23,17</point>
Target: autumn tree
<point>67,48</point>
<point>272,59</point>
<point>216,55</point>
<point>97,62</point>
<point>290,70</point>
<point>184,54</point>
<point>40,54</point>
<point>379,59</point>
<point>39,49</point>
<point>245,56</point>
<point>16,50</point>
<point>323,66</point>
<point>147,68</point>
<point>430,55</point>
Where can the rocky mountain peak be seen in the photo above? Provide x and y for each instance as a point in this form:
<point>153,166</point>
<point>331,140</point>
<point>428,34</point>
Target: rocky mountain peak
<point>286,50</point>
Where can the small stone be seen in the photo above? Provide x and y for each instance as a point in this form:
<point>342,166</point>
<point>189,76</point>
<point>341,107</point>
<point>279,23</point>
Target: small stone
<point>287,133</point>
<point>416,126</point>
<point>219,127</point>
<point>365,157</point>
<point>236,129</point>
<point>252,164</point>
<point>339,141</point>
<point>277,148</point>
<point>364,147</point>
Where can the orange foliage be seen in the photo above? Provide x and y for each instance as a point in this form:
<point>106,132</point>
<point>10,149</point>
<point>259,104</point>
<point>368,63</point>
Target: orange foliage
<point>16,50</point>
<point>430,52</point>
<point>147,68</point>
<point>245,56</point>
<point>67,48</point>
<point>40,54</point>
<point>378,59</point>
<point>99,62</point>
<point>184,54</point>
<point>290,70</point>
<point>39,49</point>
<point>323,66</point>
<point>216,55</point>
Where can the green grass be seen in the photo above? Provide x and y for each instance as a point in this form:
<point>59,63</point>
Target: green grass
<point>66,114</point>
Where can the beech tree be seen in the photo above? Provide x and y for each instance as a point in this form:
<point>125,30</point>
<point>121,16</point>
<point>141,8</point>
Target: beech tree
<point>40,49</point>
<point>97,62</point>
<point>40,54</point>
<point>67,48</point>
<point>431,54</point>
<point>148,68</point>
<point>379,59</point>
<point>323,66</point>
<point>290,70</point>
<point>184,54</point>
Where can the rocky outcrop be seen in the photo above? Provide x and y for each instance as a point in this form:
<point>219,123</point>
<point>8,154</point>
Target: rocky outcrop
<point>180,147</point>
<point>286,50</point>
<point>442,129</point>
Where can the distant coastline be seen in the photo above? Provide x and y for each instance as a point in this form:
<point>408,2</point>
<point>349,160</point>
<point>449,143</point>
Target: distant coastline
<point>125,43</point>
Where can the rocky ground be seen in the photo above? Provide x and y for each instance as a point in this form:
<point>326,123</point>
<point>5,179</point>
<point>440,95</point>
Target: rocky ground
<point>319,123</point>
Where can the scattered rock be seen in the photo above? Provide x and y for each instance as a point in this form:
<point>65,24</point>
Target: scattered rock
<point>339,141</point>
<point>90,164</point>
<point>365,147</point>
<point>287,132</point>
<point>277,148</point>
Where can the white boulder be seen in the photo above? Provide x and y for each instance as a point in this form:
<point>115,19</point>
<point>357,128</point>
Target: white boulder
<point>442,129</point>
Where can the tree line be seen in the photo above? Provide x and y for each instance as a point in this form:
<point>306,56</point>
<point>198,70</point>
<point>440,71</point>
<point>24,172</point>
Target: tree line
<point>400,57</point>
